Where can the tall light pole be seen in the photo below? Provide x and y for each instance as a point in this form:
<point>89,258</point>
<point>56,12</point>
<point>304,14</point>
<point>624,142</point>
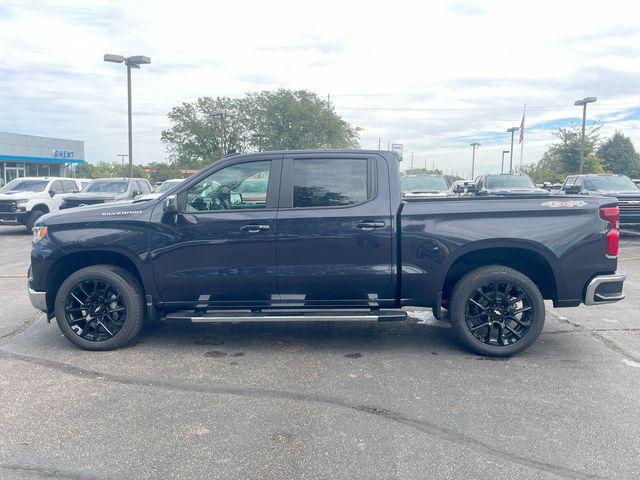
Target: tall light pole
<point>503,152</point>
<point>583,102</point>
<point>511,130</point>
<point>130,62</point>
<point>473,158</point>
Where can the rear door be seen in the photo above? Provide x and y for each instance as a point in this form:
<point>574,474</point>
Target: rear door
<point>334,230</point>
<point>220,251</point>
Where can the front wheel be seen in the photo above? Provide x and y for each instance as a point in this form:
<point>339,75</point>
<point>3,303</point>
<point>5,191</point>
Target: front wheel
<point>100,307</point>
<point>496,311</point>
<point>32,218</point>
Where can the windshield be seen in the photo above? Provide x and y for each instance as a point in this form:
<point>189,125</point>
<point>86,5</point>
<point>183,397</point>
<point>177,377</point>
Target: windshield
<point>424,183</point>
<point>612,183</point>
<point>166,186</point>
<point>508,181</point>
<point>20,185</point>
<point>107,186</point>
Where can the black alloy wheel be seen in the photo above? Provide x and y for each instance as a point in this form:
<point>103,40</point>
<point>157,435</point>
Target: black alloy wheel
<point>496,311</point>
<point>499,313</point>
<point>95,310</point>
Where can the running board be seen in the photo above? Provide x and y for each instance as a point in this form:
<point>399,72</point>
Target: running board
<point>233,316</point>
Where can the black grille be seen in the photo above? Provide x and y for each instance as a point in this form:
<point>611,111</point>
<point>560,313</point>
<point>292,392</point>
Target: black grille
<point>8,206</point>
<point>71,203</point>
<point>629,204</point>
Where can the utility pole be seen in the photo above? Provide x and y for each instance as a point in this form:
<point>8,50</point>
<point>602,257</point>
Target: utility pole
<point>379,139</point>
<point>512,131</point>
<point>583,103</point>
<point>473,159</point>
<point>411,160</point>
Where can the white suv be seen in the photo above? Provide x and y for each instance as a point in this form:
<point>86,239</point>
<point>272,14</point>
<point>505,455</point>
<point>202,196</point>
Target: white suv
<point>24,200</point>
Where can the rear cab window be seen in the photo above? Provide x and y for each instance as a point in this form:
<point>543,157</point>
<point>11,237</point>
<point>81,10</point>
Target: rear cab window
<point>331,182</point>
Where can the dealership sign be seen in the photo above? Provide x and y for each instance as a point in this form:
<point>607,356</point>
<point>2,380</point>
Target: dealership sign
<point>57,153</point>
<point>397,147</point>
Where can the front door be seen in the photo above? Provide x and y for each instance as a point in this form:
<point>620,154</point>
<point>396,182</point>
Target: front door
<point>221,249</point>
<point>335,231</point>
<point>11,173</point>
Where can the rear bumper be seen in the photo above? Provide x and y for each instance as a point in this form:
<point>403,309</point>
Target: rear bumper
<point>38,300</point>
<point>603,289</point>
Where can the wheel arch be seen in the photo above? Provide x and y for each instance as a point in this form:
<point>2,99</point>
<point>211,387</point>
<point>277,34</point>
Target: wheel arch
<point>535,263</point>
<point>75,261</point>
<point>41,206</point>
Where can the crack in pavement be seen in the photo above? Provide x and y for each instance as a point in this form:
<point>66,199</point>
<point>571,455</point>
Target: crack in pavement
<point>596,333</point>
<point>24,326</point>
<point>43,472</point>
<point>255,392</point>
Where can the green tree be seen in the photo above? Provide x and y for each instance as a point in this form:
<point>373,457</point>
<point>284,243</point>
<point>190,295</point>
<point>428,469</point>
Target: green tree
<point>288,119</point>
<point>563,157</point>
<point>284,119</point>
<point>618,155</point>
<point>195,138</point>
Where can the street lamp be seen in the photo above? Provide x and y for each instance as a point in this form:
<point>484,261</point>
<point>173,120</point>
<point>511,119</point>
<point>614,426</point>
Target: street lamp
<point>473,158</point>
<point>583,102</point>
<point>503,152</point>
<point>130,62</point>
<point>511,130</point>
<point>221,114</point>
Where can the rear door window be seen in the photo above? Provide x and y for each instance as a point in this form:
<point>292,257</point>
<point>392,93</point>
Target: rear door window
<point>330,182</point>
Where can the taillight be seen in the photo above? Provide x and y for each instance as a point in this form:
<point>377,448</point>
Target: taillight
<point>612,215</point>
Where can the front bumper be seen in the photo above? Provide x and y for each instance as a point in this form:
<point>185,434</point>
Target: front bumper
<point>38,300</point>
<point>16,218</point>
<point>603,289</point>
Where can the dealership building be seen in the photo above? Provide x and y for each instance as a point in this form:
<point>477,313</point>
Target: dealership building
<point>32,156</point>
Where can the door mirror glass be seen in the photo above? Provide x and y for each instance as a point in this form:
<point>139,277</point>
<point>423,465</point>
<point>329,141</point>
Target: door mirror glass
<point>170,205</point>
<point>137,193</point>
<point>52,192</point>
<point>235,198</point>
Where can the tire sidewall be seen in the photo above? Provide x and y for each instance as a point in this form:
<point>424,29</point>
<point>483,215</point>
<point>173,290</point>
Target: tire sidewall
<point>124,289</point>
<point>479,277</point>
<point>33,218</point>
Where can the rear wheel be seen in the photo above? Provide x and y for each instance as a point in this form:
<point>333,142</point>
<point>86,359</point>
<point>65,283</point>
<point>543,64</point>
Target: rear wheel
<point>100,307</point>
<point>31,219</point>
<point>496,311</point>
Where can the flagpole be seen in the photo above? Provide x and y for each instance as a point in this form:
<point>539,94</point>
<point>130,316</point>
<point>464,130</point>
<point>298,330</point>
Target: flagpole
<point>522,143</point>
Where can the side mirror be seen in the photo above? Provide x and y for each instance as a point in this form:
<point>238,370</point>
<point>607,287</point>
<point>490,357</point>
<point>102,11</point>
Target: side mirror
<point>235,198</point>
<point>170,206</point>
<point>52,192</point>
<point>573,189</point>
<point>472,188</point>
<point>459,189</point>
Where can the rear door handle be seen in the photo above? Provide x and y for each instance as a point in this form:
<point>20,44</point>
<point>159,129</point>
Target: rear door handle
<point>254,228</point>
<point>368,226</point>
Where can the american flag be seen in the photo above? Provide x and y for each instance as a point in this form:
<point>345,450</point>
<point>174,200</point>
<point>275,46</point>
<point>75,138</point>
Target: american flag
<point>522,126</point>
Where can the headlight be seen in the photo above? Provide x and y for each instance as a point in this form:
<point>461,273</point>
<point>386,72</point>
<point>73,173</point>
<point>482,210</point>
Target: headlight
<point>22,202</point>
<point>39,233</point>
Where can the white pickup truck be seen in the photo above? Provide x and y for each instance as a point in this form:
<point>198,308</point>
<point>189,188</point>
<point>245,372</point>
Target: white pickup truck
<point>24,200</point>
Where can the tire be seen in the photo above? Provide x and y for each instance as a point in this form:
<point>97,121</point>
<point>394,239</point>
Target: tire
<point>509,326</point>
<point>109,302</point>
<point>31,219</point>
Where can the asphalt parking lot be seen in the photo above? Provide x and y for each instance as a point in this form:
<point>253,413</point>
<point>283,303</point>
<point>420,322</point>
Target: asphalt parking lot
<point>395,400</point>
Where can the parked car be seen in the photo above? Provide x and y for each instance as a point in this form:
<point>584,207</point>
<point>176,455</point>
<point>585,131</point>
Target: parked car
<point>463,188</point>
<point>162,188</point>
<point>504,184</point>
<point>24,200</point>
<point>424,185</point>
<point>333,240</point>
<point>104,190</point>
<point>620,187</point>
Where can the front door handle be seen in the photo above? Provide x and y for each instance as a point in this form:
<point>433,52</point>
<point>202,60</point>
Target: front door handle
<point>369,226</point>
<point>254,228</point>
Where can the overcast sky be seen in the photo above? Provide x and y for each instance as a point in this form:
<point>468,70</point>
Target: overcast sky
<point>431,75</point>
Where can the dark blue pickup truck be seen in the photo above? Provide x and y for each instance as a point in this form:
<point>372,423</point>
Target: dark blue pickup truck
<point>322,236</point>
